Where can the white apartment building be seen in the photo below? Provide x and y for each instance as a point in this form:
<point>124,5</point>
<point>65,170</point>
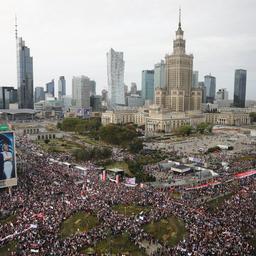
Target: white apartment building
<point>115,69</point>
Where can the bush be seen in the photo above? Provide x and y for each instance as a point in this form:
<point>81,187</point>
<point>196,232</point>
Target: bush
<point>184,130</point>
<point>135,146</point>
<point>80,125</point>
<point>118,134</point>
<point>94,153</point>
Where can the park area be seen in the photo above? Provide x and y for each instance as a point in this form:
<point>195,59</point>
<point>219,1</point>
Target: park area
<point>8,249</point>
<point>59,146</point>
<point>115,245</point>
<point>168,231</point>
<point>77,223</point>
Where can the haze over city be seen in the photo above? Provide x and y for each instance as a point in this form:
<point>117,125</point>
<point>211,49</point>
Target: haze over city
<point>72,38</point>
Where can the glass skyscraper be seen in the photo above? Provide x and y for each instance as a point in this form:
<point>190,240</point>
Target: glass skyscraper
<point>210,84</point>
<point>93,87</point>
<point>39,94</point>
<point>81,91</point>
<point>147,85</point>
<point>4,98</point>
<point>61,87</point>
<point>50,88</point>
<point>159,75</point>
<point>24,75</point>
<point>240,88</point>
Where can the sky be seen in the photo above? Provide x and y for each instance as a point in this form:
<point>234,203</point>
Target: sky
<point>72,38</point>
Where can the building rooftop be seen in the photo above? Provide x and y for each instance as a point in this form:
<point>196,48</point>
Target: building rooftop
<point>18,111</point>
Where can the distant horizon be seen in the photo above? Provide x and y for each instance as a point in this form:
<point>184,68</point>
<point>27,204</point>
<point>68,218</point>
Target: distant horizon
<point>77,45</point>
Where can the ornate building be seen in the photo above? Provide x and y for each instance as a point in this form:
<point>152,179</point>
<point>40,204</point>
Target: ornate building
<point>179,96</point>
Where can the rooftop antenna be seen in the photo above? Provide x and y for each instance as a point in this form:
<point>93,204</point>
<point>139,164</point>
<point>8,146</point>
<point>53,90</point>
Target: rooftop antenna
<point>16,28</point>
<point>179,17</point>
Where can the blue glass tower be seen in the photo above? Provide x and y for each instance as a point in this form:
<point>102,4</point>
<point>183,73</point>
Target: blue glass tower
<point>147,85</point>
<point>240,88</point>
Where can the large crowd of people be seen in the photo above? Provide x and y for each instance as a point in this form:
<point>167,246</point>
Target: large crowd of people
<point>49,192</point>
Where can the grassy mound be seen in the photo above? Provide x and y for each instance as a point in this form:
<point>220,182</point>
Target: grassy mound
<point>10,218</point>
<point>8,249</point>
<point>169,231</point>
<point>115,245</point>
<point>213,204</point>
<point>77,223</point>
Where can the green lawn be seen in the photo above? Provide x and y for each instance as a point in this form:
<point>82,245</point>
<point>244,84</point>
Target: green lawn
<point>169,231</point>
<point>217,202</point>
<point>59,145</point>
<point>129,210</point>
<point>116,245</point>
<point>120,165</point>
<point>9,248</point>
<point>76,223</point>
<point>9,219</point>
<point>176,195</point>
<point>86,139</point>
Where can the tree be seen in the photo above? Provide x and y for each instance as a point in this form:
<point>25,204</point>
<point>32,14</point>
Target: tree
<point>185,130</point>
<point>94,153</point>
<point>117,134</point>
<point>202,127</point>
<point>80,126</point>
<point>253,116</point>
<point>136,145</point>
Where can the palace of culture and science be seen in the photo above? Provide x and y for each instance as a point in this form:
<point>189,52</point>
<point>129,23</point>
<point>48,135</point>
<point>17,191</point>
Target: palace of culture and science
<point>178,96</point>
<point>176,104</point>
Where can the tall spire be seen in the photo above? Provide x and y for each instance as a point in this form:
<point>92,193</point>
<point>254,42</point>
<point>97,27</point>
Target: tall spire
<point>16,27</point>
<point>179,17</point>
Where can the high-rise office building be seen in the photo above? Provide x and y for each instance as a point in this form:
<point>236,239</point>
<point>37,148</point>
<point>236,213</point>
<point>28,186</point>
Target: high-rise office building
<point>8,95</point>
<point>126,89</point>
<point>93,87</point>
<point>147,85</point>
<point>95,101</point>
<point>39,94</point>
<point>4,98</point>
<point>159,75</point>
<point>195,79</point>
<point>61,87</point>
<point>179,95</point>
<point>115,70</point>
<point>202,87</point>
<point>133,88</point>
<point>210,84</point>
<point>240,88</point>
<point>24,74</point>
<point>13,95</point>
<point>50,88</point>
<point>81,91</point>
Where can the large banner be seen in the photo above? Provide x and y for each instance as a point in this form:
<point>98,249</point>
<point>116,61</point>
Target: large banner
<point>8,173</point>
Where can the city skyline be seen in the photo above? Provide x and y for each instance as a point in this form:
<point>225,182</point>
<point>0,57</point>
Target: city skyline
<point>226,38</point>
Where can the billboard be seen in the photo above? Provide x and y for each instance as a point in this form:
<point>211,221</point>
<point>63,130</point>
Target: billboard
<point>8,173</point>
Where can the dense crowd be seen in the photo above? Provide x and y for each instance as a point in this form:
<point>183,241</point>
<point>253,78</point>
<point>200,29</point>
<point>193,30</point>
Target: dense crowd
<point>48,193</point>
